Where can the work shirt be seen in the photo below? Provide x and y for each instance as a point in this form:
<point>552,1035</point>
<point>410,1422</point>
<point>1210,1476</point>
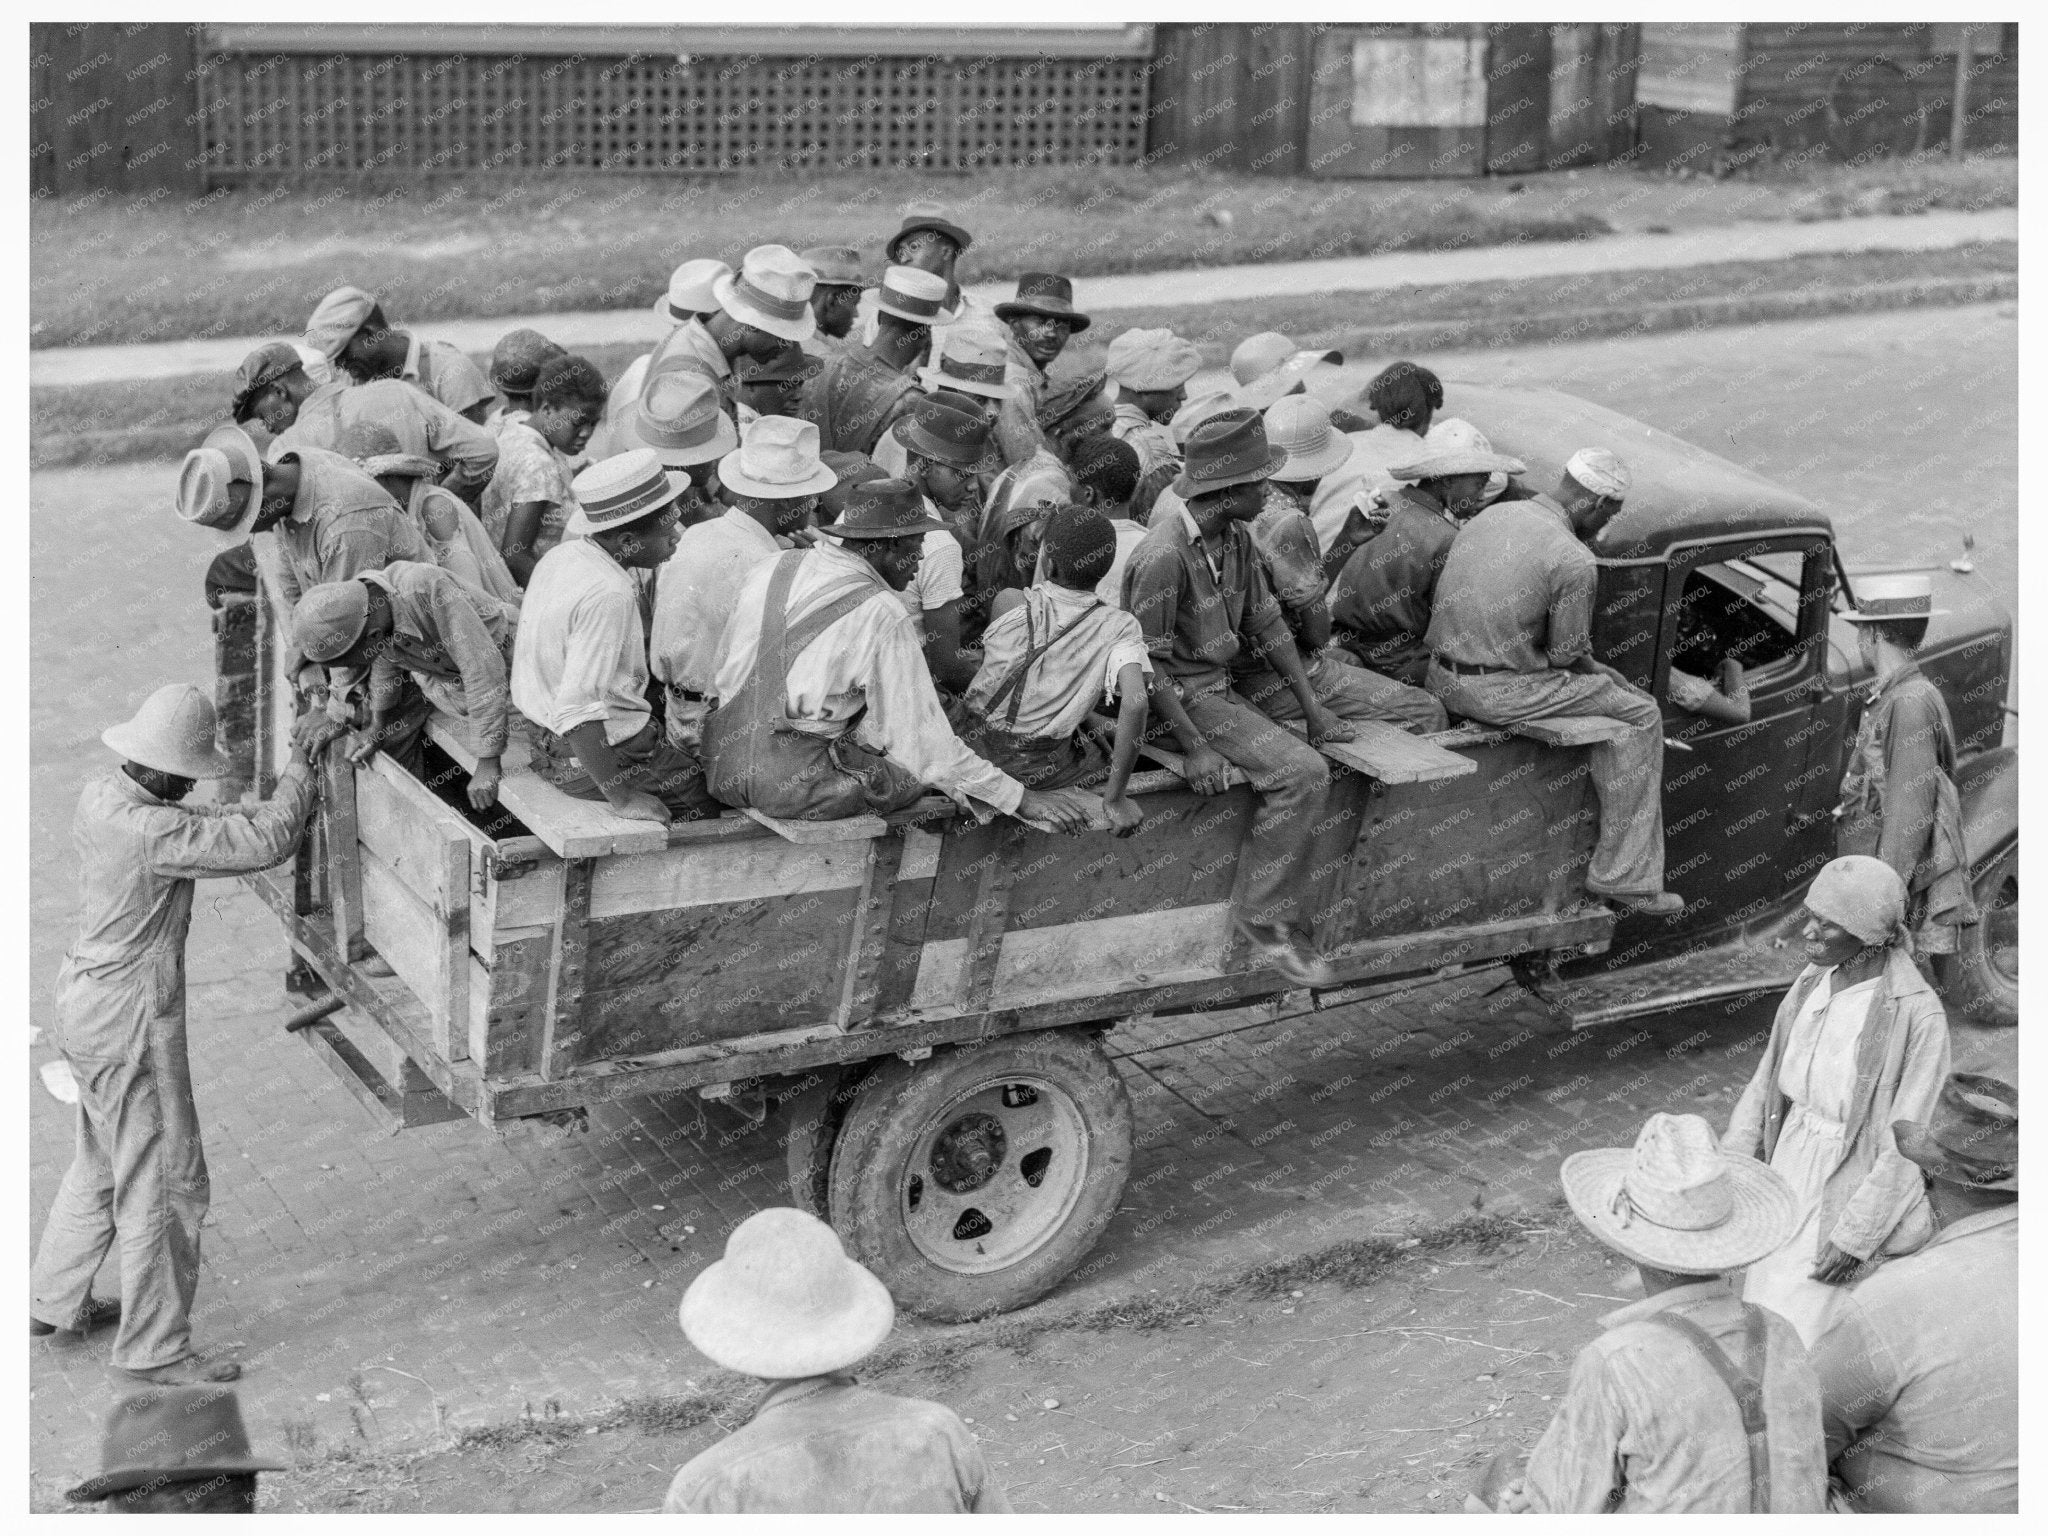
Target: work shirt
<point>856,398</point>
<point>443,370</point>
<point>1286,541</point>
<point>1387,588</point>
<point>460,545</point>
<point>868,660</point>
<point>1646,1421</point>
<point>442,631</point>
<point>1152,442</point>
<point>422,425</point>
<point>1197,616</point>
<point>529,469</point>
<point>1064,684</point>
<point>1374,451</point>
<point>690,345</point>
<point>1018,433</point>
<point>1516,590</point>
<point>827,1445</point>
<point>1919,1375</point>
<point>137,856</point>
<point>695,596</point>
<point>581,651</point>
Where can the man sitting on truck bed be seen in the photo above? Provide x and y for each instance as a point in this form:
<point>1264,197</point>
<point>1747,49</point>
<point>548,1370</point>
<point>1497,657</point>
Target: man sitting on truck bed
<point>1511,637</point>
<point>825,706</point>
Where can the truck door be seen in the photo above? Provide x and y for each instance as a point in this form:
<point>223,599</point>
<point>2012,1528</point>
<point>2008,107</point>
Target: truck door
<point>1746,807</point>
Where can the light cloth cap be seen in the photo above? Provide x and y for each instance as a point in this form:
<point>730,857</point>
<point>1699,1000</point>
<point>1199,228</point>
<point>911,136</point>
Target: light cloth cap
<point>690,290</point>
<point>1300,424</point>
<point>173,733</point>
<point>1863,895</point>
<point>1679,1201</point>
<point>204,493</point>
<point>1152,359</point>
<point>1599,472</point>
<point>329,619</point>
<point>772,293</point>
<point>261,369</point>
<point>1894,595</point>
<point>913,294</point>
<point>1436,462</point>
<point>785,1301</point>
<point>338,317</point>
<point>777,457</point>
<point>973,358</point>
<point>680,416</point>
<point>620,490</point>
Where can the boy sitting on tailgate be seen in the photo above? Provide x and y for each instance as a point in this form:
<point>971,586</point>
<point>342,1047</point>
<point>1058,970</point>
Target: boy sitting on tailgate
<point>1049,654</point>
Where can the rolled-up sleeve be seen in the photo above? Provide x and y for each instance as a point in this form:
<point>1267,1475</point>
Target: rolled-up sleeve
<point>458,442</point>
<point>193,842</point>
<point>482,665</point>
<point>600,628</point>
<point>1571,613</point>
<point>1151,595</point>
<point>904,720</point>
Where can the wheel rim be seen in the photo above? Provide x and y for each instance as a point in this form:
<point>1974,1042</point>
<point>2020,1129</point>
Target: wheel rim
<point>2001,919</point>
<point>994,1174</point>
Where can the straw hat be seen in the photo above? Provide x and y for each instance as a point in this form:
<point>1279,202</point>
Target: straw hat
<point>1973,1138</point>
<point>1152,360</point>
<point>171,1434</point>
<point>1047,294</point>
<point>786,1301</point>
<point>690,290</point>
<point>777,457</point>
<point>913,294</point>
<point>1199,410</point>
<point>772,293</point>
<point>973,360</point>
<point>884,509</point>
<point>1600,472</point>
<point>1269,365</point>
<point>1894,595</point>
<point>1452,457</point>
<point>837,266</point>
<point>681,417</point>
<point>1456,432</point>
<point>930,216</point>
<point>262,368</point>
<point>1228,449</point>
<point>935,430</point>
<point>1678,1201</point>
<point>1300,425</point>
<point>620,490</point>
<point>337,318</point>
<point>173,733</point>
<point>204,496</point>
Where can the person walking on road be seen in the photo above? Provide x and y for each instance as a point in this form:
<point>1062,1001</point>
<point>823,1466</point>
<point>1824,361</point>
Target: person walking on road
<point>1859,1042</point>
<point>138,1175</point>
<point>1919,1365</point>
<point>1690,1401</point>
<point>785,1304</point>
<point>176,1451</point>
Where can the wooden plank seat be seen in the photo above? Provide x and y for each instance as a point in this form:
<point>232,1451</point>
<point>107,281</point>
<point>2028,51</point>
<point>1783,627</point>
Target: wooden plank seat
<point>1572,730</point>
<point>1390,754</point>
<point>575,829</point>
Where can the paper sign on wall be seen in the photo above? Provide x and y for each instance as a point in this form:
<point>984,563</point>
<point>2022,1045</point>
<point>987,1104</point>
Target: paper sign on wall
<point>1418,82</point>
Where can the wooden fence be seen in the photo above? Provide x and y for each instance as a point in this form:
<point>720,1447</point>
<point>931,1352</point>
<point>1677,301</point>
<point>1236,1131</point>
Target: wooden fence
<point>113,106</point>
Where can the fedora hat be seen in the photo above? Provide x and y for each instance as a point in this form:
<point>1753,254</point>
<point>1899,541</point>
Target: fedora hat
<point>173,733</point>
<point>884,509</point>
<point>853,469</point>
<point>205,496</point>
<point>777,457</point>
<point>1893,595</point>
<point>930,216</point>
<point>772,293</point>
<point>519,356</point>
<point>1299,426</point>
<point>171,1434</point>
<point>690,290</point>
<point>337,318</point>
<point>1269,365</point>
<point>1973,1138</point>
<point>1678,1201</point>
<point>837,266</point>
<point>1152,360</point>
<point>621,489</point>
<point>1067,396</point>
<point>681,417</point>
<point>1198,410</point>
<point>973,360</point>
<point>262,368</point>
<point>790,362</point>
<point>1044,293</point>
<point>913,294</point>
<point>785,1301</point>
<point>1228,449</point>
<point>946,433</point>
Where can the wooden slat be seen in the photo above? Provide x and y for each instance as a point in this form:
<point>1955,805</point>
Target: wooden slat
<point>575,829</point>
<point>414,939</point>
<point>562,1028</point>
<point>1572,730</point>
<point>848,829</point>
<point>344,877</point>
<point>1391,755</point>
<point>451,1023</point>
<point>400,821</point>
<point>1177,765</point>
<point>700,875</point>
<point>873,917</point>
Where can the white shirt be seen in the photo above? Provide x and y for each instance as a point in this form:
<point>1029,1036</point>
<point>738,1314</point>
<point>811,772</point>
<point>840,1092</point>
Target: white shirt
<point>1129,536</point>
<point>1064,685</point>
<point>1377,450</point>
<point>695,595</point>
<point>869,658</point>
<point>615,433</point>
<point>581,651</point>
<point>940,574</point>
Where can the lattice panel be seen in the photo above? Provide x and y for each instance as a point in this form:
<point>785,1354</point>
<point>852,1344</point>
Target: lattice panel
<point>352,113</point>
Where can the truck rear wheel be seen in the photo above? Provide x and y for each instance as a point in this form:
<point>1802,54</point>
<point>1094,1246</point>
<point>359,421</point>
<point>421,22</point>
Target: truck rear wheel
<point>975,1181</point>
<point>810,1130</point>
<point>1981,980</point>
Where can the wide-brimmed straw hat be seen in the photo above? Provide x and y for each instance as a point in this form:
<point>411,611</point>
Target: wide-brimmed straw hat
<point>884,509</point>
<point>936,430</point>
<point>930,216</point>
<point>681,416</point>
<point>1678,1201</point>
<point>1230,448</point>
<point>777,457</point>
<point>973,360</point>
<point>172,732</point>
<point>786,1301</point>
<point>1299,425</point>
<point>1894,595</point>
<point>913,294</point>
<point>772,293</point>
<point>1269,365</point>
<point>690,290</point>
<point>837,266</point>
<point>174,1435</point>
<point>1048,294</point>
<point>1973,1138</point>
<point>1454,458</point>
<point>204,496</point>
<point>337,318</point>
<point>620,490</point>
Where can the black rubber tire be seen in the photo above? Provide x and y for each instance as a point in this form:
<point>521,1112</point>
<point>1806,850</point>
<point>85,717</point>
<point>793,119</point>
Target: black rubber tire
<point>810,1123</point>
<point>1972,986</point>
<point>874,1180</point>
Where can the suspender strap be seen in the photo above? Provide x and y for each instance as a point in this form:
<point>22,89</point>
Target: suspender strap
<point>1012,685</point>
<point>782,643</point>
<point>1746,1386</point>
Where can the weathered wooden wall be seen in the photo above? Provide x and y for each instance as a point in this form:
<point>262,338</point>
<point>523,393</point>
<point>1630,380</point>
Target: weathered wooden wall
<point>113,106</point>
<point>1889,70</point>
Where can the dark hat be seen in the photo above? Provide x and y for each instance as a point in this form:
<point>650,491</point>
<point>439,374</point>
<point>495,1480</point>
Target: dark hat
<point>884,509</point>
<point>261,369</point>
<point>936,430</point>
<point>1044,293</point>
<point>1974,1137</point>
<point>852,469</point>
<point>930,216</point>
<point>171,1434</point>
<point>792,362</point>
<point>1228,449</point>
<point>1068,396</point>
<point>518,358</point>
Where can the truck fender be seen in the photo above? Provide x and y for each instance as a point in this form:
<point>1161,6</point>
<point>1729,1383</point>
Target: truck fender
<point>1989,788</point>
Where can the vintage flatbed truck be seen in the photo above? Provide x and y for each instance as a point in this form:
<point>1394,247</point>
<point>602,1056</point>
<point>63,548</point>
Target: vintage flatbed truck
<point>924,997</point>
